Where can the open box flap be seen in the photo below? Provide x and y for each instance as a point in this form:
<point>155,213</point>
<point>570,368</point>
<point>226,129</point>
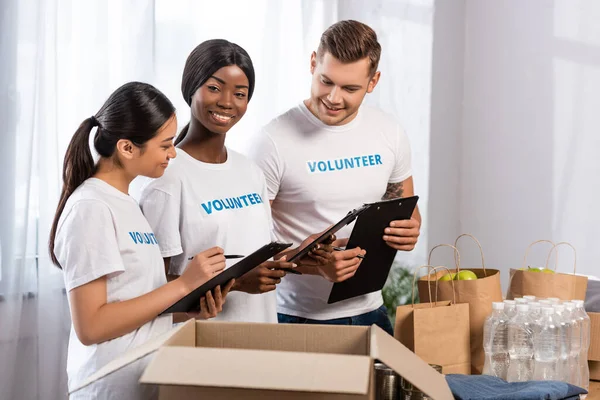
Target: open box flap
<point>408,365</point>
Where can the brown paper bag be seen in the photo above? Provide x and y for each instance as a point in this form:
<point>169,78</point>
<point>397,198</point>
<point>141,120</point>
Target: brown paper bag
<point>479,294</point>
<point>438,332</point>
<point>565,286</point>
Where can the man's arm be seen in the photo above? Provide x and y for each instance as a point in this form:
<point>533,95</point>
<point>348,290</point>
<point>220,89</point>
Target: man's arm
<point>402,235</point>
<point>402,189</point>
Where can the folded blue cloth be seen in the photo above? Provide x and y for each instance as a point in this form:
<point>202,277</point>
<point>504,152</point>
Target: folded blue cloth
<point>485,387</point>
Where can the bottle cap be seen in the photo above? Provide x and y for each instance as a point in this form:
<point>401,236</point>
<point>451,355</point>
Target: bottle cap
<point>522,307</point>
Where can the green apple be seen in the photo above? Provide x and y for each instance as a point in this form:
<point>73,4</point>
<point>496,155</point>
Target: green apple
<point>547,271</point>
<point>534,269</point>
<point>465,275</point>
<point>447,277</point>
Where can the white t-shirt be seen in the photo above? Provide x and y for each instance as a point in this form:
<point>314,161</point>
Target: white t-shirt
<point>316,174</point>
<point>195,206</point>
<point>102,232</point>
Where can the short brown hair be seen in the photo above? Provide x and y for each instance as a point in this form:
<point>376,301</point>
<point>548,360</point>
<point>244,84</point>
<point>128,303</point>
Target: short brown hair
<point>350,41</point>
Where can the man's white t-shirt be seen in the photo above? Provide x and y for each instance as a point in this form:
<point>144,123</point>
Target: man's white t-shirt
<point>316,174</point>
<point>195,206</point>
<point>102,232</point>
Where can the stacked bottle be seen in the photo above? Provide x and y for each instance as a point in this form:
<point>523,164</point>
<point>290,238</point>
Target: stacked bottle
<point>541,339</point>
<point>546,346</point>
<point>495,339</point>
<point>520,346</point>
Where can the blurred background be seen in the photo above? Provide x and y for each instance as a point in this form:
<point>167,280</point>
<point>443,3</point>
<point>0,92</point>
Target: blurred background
<point>500,100</point>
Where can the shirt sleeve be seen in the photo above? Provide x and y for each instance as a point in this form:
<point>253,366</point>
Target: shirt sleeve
<point>265,194</point>
<point>402,167</point>
<point>162,209</point>
<point>86,244</point>
<point>265,154</point>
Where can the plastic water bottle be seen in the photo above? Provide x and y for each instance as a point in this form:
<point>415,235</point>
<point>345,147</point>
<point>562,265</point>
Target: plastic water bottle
<point>546,346</point>
<point>535,314</point>
<point>554,300</point>
<point>574,365</point>
<point>564,322</point>
<point>529,298</point>
<point>545,302</point>
<point>584,319</point>
<point>495,342</point>
<point>510,309</point>
<point>520,346</point>
<point>535,311</point>
<point>521,300</point>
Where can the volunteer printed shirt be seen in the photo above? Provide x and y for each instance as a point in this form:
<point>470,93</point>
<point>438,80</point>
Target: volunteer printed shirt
<point>316,174</point>
<point>102,232</point>
<point>195,206</point>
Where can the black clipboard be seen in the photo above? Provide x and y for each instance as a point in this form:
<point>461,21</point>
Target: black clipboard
<point>191,302</point>
<point>351,216</point>
<point>368,234</point>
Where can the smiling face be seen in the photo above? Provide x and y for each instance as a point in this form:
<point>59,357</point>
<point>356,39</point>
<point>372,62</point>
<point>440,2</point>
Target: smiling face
<point>153,157</point>
<point>222,100</point>
<point>338,88</point>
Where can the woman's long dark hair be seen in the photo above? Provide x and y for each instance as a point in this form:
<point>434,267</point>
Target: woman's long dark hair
<point>136,111</point>
<point>206,59</point>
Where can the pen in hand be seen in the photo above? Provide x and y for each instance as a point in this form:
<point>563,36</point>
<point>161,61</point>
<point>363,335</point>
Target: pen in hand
<point>342,249</point>
<point>334,248</point>
<point>227,256</point>
<point>291,271</point>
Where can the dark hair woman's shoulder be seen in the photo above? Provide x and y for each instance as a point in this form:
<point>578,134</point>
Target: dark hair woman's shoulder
<point>169,183</point>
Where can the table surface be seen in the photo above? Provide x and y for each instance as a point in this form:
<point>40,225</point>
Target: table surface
<point>594,391</point>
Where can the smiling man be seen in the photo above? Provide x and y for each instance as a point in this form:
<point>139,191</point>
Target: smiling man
<point>327,156</point>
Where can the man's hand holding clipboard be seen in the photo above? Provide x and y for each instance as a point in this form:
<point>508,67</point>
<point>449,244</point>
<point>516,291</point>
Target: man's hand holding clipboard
<point>336,264</point>
<point>402,234</point>
<point>328,260</point>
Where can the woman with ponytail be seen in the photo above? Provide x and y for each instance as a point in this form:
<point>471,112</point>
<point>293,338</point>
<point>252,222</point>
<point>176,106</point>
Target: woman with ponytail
<point>212,195</point>
<point>112,266</point>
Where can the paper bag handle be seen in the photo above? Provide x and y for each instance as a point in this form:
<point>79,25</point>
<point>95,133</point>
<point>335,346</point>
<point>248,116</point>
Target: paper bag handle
<point>534,243</point>
<point>456,255</point>
<point>436,285</point>
<point>415,282</point>
<point>430,268</point>
<point>556,260</point>
<point>478,245</point>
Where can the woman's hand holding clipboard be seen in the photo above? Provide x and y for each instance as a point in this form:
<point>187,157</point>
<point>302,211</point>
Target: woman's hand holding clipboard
<point>265,277</point>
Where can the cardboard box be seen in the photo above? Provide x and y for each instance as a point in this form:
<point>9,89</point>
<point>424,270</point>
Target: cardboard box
<point>221,360</point>
<point>594,351</point>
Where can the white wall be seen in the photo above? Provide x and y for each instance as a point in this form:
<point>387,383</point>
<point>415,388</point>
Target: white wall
<point>446,124</point>
<point>530,129</point>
